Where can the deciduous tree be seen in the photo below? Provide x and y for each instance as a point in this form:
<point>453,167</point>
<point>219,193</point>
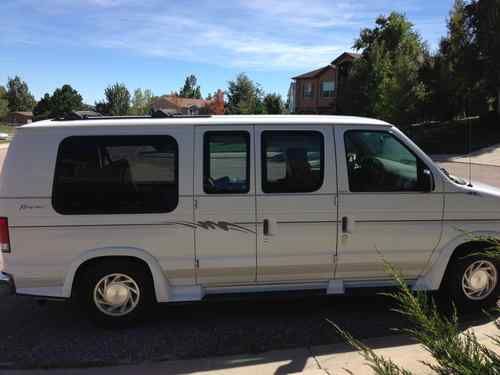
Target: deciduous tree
<point>484,21</point>
<point>385,81</point>
<point>142,101</point>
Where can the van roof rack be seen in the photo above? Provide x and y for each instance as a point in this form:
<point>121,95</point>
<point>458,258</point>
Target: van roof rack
<point>91,115</point>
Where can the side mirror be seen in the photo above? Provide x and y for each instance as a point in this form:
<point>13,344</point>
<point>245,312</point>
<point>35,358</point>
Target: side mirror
<point>427,181</point>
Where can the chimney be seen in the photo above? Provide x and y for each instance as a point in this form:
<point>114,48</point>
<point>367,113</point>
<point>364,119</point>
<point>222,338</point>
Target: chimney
<point>219,102</point>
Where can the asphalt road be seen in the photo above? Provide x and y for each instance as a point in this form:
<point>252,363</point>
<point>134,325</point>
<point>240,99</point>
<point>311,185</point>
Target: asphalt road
<point>56,334</point>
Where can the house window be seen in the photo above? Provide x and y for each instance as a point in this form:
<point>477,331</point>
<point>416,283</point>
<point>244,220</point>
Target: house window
<point>116,175</point>
<point>308,90</point>
<point>327,89</point>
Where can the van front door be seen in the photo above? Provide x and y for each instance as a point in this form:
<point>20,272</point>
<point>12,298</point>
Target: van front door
<point>224,205</point>
<point>296,203</point>
<point>387,207</point>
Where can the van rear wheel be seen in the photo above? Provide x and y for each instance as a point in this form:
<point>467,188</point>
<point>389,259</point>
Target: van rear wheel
<point>115,293</point>
<point>473,282</point>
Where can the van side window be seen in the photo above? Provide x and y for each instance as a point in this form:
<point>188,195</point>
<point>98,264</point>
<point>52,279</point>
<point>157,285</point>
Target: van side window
<point>378,162</point>
<point>116,175</point>
<point>226,167</point>
<point>292,161</point>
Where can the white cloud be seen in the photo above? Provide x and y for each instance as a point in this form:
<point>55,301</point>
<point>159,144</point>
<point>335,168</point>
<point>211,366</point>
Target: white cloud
<point>313,14</point>
<point>257,34</point>
<point>192,40</point>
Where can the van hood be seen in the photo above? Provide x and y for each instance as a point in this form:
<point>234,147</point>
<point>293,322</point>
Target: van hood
<point>481,188</point>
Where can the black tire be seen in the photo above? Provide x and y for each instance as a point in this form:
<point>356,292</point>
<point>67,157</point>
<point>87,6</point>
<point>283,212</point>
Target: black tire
<point>454,289</point>
<point>93,274</point>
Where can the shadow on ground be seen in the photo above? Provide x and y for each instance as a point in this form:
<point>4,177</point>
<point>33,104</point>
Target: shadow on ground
<point>55,334</point>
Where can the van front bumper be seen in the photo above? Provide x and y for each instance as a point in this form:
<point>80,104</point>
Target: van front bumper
<point>6,285</point>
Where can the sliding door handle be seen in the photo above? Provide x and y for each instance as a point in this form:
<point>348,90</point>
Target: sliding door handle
<point>266,227</point>
<point>270,227</point>
<point>345,225</point>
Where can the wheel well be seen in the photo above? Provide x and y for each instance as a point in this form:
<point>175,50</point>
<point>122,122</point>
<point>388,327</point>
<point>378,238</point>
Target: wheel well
<point>468,248</point>
<point>92,262</point>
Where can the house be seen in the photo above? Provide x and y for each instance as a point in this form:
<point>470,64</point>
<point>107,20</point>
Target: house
<point>317,91</point>
<point>189,106</point>
<point>19,118</point>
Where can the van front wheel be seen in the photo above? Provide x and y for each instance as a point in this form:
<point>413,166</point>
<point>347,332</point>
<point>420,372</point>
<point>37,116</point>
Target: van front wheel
<point>115,292</point>
<point>473,282</point>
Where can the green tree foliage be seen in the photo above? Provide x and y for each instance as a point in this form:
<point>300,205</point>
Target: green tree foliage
<point>141,102</point>
<point>190,89</point>
<point>4,103</point>
<point>484,21</point>
<point>385,82</point>
<point>18,95</point>
<point>42,109</point>
<point>117,100</point>
<point>244,96</point>
<point>273,104</point>
<point>62,100</point>
<point>464,75</point>
<point>457,86</point>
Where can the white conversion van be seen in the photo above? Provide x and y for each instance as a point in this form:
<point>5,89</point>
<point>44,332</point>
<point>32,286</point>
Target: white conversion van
<point>120,213</point>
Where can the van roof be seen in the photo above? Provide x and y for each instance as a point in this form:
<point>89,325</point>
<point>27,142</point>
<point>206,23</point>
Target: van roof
<point>212,120</point>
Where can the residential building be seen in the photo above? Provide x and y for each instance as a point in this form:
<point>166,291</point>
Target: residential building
<point>189,106</point>
<point>317,91</point>
<point>19,118</point>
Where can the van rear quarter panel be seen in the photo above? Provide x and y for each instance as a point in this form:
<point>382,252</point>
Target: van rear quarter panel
<point>45,243</point>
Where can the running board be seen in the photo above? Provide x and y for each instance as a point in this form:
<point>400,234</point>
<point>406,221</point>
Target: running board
<point>328,287</point>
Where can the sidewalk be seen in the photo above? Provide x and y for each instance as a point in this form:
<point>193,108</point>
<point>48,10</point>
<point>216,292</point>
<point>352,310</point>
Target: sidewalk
<point>486,156</point>
<point>324,360</point>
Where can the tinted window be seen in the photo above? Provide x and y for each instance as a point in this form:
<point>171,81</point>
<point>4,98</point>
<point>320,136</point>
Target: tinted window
<point>378,161</point>
<point>292,161</point>
<point>227,162</point>
<point>116,175</point>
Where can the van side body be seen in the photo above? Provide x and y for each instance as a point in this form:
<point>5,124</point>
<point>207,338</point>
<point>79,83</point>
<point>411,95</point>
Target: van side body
<point>258,231</point>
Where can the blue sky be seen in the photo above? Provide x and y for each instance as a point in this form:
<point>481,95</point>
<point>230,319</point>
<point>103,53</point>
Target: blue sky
<point>156,43</point>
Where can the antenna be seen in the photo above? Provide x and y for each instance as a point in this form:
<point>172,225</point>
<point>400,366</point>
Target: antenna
<point>470,151</point>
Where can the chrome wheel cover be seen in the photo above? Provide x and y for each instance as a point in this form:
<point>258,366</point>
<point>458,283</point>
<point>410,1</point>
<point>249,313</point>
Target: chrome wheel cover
<point>116,294</point>
<point>479,280</point>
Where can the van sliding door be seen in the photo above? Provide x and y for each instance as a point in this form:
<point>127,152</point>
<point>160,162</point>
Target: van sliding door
<point>296,203</point>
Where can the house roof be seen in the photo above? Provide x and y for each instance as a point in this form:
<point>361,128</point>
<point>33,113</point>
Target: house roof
<point>314,73</point>
<point>346,55</point>
<point>27,114</point>
<point>185,102</point>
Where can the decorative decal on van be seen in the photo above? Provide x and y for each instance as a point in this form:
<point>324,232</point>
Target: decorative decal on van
<point>212,225</point>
